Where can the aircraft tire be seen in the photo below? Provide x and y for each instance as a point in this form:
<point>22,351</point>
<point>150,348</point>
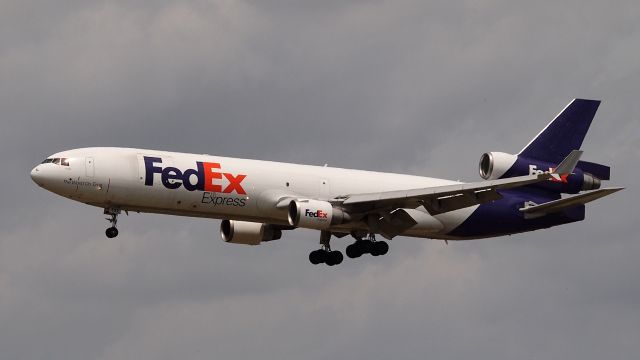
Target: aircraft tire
<point>379,248</point>
<point>330,260</point>
<point>354,251</point>
<point>336,257</point>
<point>333,258</point>
<point>111,232</point>
<point>318,256</point>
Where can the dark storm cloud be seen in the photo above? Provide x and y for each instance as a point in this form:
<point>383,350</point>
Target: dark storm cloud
<point>403,86</point>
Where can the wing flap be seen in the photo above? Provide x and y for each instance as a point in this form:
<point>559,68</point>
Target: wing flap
<point>438,205</point>
<point>397,222</point>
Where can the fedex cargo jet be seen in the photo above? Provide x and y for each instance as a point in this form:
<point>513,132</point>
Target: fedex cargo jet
<point>544,185</point>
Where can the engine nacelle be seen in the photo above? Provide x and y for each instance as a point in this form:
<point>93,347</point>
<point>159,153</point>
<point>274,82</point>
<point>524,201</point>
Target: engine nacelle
<point>497,165</point>
<point>493,165</point>
<point>248,233</point>
<point>315,214</point>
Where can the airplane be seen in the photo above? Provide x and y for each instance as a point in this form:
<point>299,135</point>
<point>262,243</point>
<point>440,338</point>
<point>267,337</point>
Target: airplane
<point>544,185</point>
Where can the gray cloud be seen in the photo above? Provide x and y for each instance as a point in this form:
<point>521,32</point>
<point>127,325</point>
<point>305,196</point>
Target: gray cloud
<point>402,86</point>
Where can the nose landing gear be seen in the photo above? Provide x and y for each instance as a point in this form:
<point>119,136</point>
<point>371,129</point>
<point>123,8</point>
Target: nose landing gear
<point>113,219</point>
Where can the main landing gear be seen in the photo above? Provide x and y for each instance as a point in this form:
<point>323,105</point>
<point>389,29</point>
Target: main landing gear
<point>113,219</point>
<point>367,246</point>
<point>324,254</point>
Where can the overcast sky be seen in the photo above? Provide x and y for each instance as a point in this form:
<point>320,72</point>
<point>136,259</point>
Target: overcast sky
<point>405,86</point>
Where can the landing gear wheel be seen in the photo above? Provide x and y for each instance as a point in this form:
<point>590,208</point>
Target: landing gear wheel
<point>379,248</point>
<point>365,246</point>
<point>354,251</point>
<point>318,256</point>
<point>324,256</point>
<point>359,248</point>
<point>111,232</point>
<point>334,258</point>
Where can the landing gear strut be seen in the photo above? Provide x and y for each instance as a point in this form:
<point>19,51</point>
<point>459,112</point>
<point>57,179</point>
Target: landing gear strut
<point>367,246</point>
<point>324,254</point>
<point>113,219</point>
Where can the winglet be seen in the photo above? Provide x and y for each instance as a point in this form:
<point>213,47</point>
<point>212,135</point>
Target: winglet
<point>569,163</point>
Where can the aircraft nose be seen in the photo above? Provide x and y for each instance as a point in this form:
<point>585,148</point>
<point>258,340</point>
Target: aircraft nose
<point>36,175</point>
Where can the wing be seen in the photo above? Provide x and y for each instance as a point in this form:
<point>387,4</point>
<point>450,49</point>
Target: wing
<point>437,199</point>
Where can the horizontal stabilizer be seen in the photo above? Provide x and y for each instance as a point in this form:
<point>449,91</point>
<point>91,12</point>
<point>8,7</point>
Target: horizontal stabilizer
<point>600,171</point>
<point>561,204</point>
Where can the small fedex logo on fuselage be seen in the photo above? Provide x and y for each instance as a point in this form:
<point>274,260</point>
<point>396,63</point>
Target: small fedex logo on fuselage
<point>205,177</point>
<point>561,178</point>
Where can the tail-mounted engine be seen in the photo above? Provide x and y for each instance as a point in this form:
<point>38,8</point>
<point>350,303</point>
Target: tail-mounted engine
<point>248,233</point>
<point>315,214</point>
<point>498,165</point>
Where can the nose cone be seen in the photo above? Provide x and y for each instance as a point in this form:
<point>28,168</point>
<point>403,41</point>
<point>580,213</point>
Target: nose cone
<point>36,175</point>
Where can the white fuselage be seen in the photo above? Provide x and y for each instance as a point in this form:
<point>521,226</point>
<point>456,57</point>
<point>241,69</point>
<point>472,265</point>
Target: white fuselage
<point>218,187</point>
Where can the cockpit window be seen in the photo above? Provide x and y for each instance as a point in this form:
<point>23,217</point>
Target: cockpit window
<point>57,161</point>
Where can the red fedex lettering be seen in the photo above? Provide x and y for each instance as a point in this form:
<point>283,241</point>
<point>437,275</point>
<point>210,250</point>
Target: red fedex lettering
<point>234,183</point>
<point>210,175</point>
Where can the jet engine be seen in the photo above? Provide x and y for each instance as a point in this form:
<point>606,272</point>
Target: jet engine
<point>248,233</point>
<point>315,214</point>
<point>495,164</point>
